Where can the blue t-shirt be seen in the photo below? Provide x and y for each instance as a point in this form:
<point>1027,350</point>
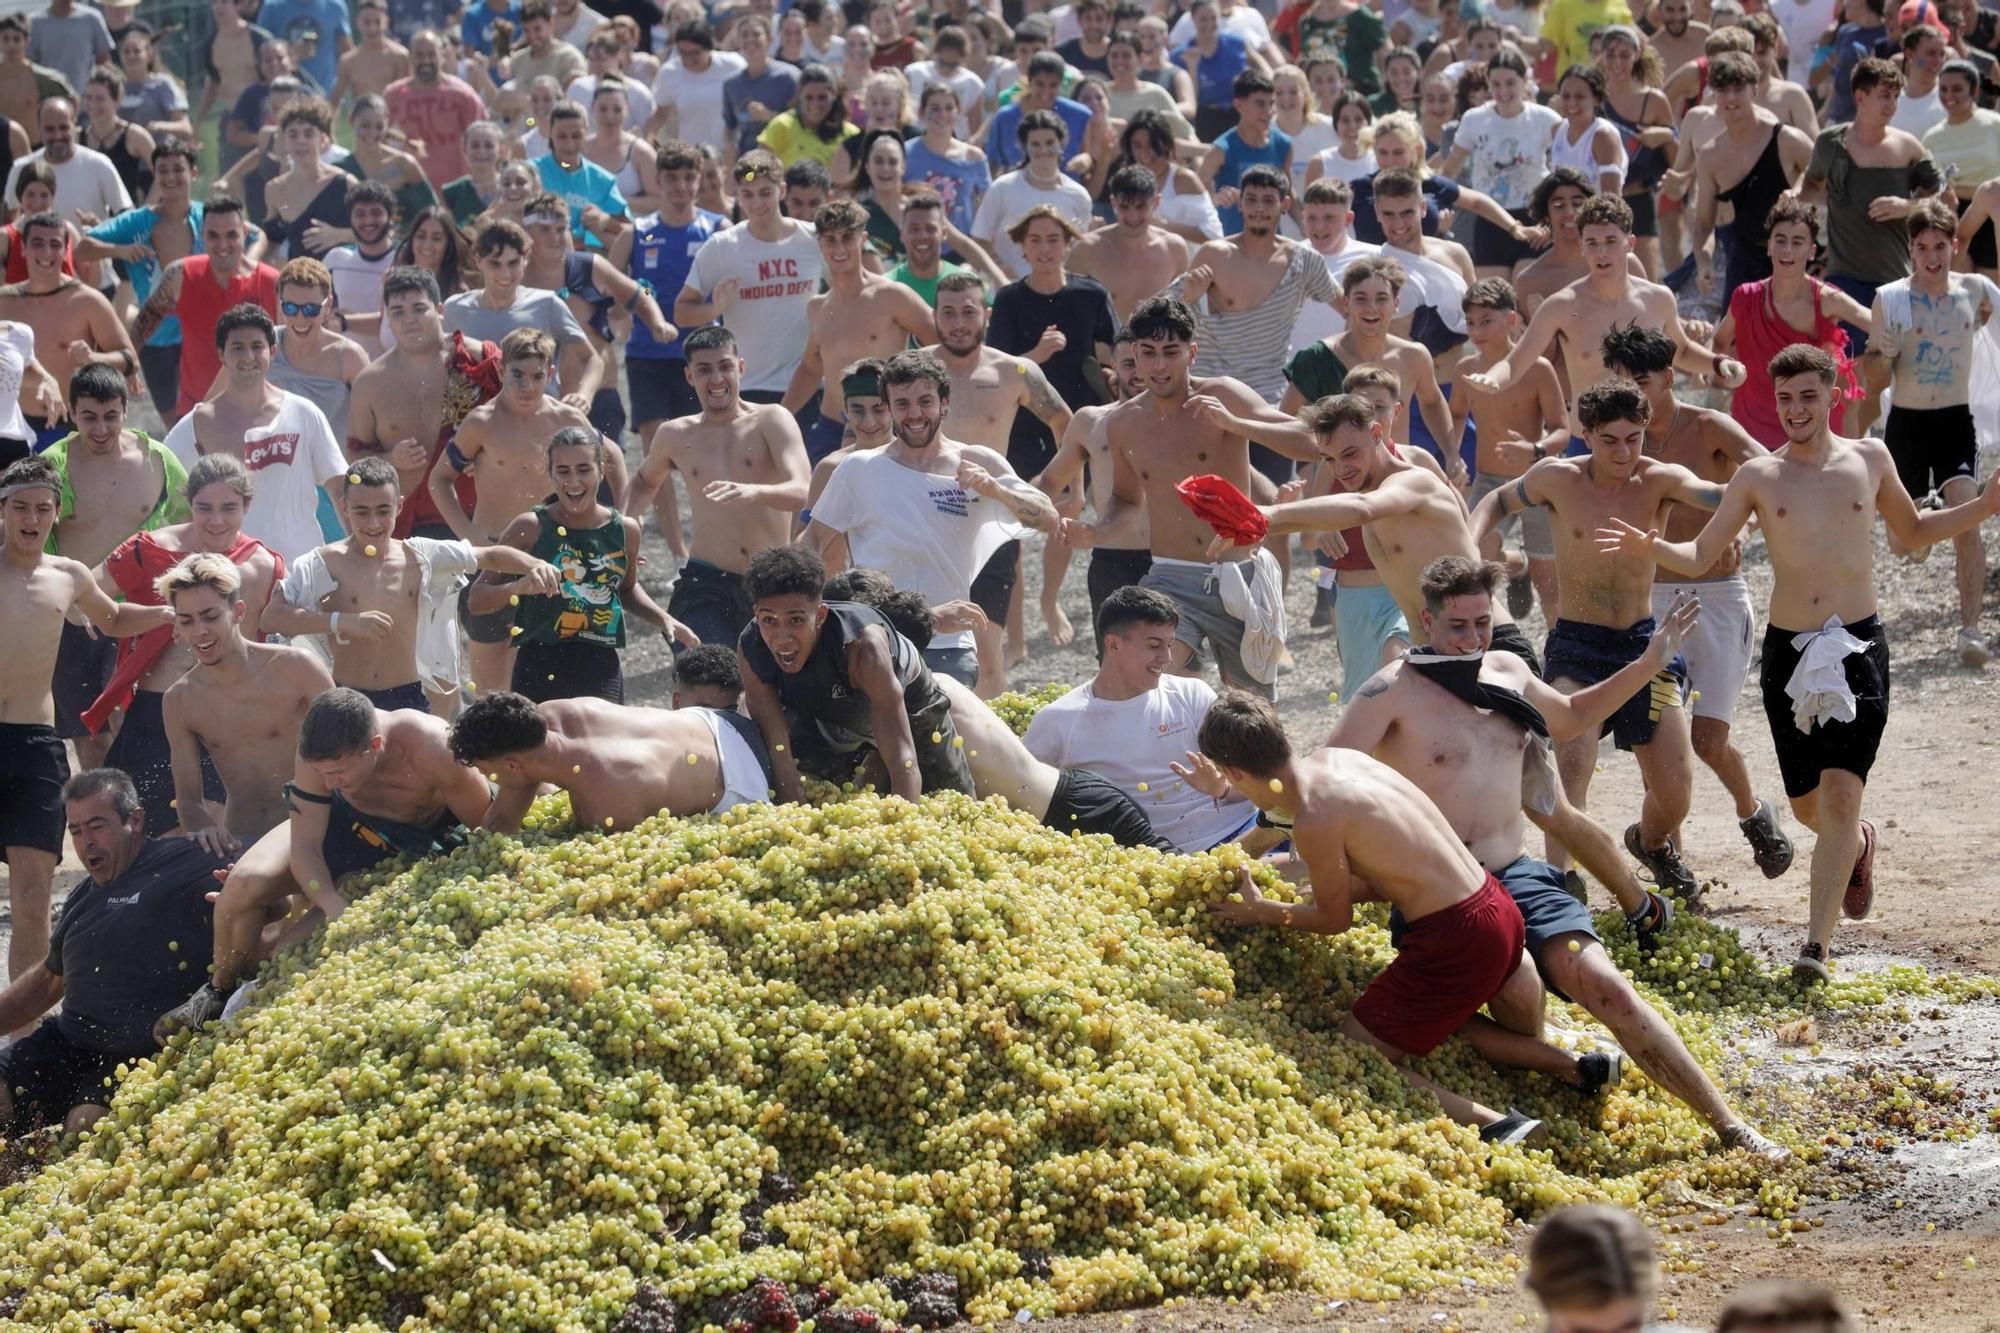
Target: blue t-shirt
<point>321,19</point>
<point>588,184</point>
<point>960,184</point>
<point>1237,157</point>
<point>1852,44</point>
<point>1438,193</point>
<point>135,225</point>
<point>475,30</point>
<point>777,88</point>
<point>662,254</point>
<point>1215,80</point>
<point>1003,144</point>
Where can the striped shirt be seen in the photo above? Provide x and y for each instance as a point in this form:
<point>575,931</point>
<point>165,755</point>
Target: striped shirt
<point>1253,345</point>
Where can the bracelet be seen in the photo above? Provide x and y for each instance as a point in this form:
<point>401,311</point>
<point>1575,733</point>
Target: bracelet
<point>333,627</point>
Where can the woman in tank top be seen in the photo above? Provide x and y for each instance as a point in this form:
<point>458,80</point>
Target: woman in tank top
<point>1587,141</point>
<point>1634,103</point>
<point>377,157</point>
<point>128,145</point>
<point>625,155</point>
<point>1350,158</point>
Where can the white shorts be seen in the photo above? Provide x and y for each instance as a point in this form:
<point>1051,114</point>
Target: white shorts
<point>742,776</point>
<point>1718,651</point>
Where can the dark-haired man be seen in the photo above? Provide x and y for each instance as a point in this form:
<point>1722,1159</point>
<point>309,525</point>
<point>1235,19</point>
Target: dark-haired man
<point>198,288</point>
<point>658,250</point>
<point>1133,258</point>
<point>831,683</point>
<point>620,765</point>
<point>367,787</point>
<point>1253,141</point>
<point>504,304</point>
<point>705,676</point>
<point>74,325</point>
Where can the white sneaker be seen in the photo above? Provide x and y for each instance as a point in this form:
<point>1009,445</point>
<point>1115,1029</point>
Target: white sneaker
<point>1972,650</point>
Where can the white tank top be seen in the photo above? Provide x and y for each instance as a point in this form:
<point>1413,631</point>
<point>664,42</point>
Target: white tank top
<point>1563,153</point>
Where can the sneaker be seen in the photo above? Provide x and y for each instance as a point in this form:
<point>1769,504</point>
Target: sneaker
<point>1322,615</point>
<point>1652,919</point>
<point>1769,846</point>
<point>1573,882</point>
<point>1972,650</point>
<point>1599,1070</point>
<point>1810,966</point>
<point>198,1010</point>
<point>1860,897</point>
<point>1514,1128</point>
<point>1665,865</point>
<point>1520,596</point>
<point>1740,1135</point>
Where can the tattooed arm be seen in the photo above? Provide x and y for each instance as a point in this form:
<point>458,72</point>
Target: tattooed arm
<point>159,306</point>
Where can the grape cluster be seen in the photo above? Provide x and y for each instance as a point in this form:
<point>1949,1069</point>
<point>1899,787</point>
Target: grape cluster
<point>1017,708</point>
<point>811,1068</point>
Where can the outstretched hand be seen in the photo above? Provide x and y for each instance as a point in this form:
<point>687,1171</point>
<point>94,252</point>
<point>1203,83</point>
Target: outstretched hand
<point>1673,627</point>
<point>1621,538</point>
<point>1201,774</point>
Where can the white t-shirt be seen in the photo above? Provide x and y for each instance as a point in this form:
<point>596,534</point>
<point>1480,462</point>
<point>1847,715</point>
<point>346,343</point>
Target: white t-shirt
<point>17,349</point>
<point>1244,21</point>
<point>1318,319</point>
<point>1509,157</point>
<point>1317,137</point>
<point>1011,197</point>
<point>587,22</point>
<point>922,529</point>
<point>289,460</point>
<point>1130,741</point>
<point>698,97</point>
<point>775,280</point>
<point>1917,114</point>
<point>639,100</point>
<point>357,287</point>
<point>969,87</point>
<point>89,181</point>
<point>1803,22</point>
<point>1332,164</point>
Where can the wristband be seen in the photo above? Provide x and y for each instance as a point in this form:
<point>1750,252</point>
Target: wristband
<point>333,627</point>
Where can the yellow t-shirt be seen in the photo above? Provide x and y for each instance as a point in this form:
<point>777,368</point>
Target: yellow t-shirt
<point>792,141</point>
<point>1571,23</point>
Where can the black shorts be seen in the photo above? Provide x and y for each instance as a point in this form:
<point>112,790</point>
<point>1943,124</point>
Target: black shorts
<point>493,627</point>
<point>660,390</point>
<point>941,764</point>
<point>84,662</point>
<point>410,696</point>
<point>1030,447</point>
<point>711,601</point>
<point>607,413</point>
<point>1083,802</point>
<point>1274,466</point>
<point>13,450</point>
<point>1645,213</point>
<point>1494,248</point>
<point>993,588</point>
<point>161,367</point>
<point>545,671</point>
<point>143,753</point>
<point>48,1076</point>
<point>1547,907</point>
<point>1931,446</point>
<point>1985,254</point>
<point>1511,638</point>
<point>33,769</point>
<point>351,845</point>
<point>1112,568</point>
<point>1847,746</point>
<point>1588,653</point>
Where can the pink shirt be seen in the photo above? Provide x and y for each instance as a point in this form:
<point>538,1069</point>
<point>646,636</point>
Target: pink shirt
<point>438,115</point>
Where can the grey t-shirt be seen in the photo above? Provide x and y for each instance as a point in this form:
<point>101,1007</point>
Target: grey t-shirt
<point>70,44</point>
<point>1857,246</point>
<point>776,88</point>
<point>153,100</point>
<point>533,308</point>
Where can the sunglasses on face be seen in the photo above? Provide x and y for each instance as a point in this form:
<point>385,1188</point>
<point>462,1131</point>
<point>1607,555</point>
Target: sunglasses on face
<point>310,310</point>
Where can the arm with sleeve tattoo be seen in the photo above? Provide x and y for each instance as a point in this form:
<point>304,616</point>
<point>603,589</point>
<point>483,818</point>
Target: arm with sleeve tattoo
<point>166,297</point>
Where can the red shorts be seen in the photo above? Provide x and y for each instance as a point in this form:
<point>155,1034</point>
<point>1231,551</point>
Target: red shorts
<point>1448,964</point>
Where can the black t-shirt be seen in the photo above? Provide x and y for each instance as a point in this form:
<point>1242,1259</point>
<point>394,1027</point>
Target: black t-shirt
<point>132,949</point>
<point>1082,310</point>
<point>820,691</point>
<point>1072,51</point>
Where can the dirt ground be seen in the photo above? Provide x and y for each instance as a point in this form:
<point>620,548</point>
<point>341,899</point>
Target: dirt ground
<point>1938,903</point>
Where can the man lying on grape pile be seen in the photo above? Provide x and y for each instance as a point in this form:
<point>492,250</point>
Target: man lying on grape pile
<point>1463,721</point>
<point>829,683</point>
<point>368,786</point>
<point>621,765</point>
<point>1367,834</point>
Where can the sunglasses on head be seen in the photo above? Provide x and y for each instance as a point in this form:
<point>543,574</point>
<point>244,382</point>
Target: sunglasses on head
<point>310,310</point>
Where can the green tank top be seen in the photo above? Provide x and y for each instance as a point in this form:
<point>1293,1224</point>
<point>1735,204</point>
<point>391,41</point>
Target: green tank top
<point>588,608</point>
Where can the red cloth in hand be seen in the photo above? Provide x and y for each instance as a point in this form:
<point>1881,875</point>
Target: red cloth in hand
<point>1220,505</point>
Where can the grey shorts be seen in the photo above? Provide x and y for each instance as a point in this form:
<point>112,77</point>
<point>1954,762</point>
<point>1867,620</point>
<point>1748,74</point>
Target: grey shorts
<point>1538,536</point>
<point>1204,620</point>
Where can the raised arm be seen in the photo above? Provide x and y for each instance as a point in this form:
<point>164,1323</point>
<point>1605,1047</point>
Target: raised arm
<point>1584,712</point>
<point>119,620</point>
<point>165,297</point>
<point>1917,530</point>
<point>1689,558</point>
<point>1539,337</point>
<point>985,473</point>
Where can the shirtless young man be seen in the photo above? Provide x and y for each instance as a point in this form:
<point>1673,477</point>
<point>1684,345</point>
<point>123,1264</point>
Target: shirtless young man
<point>1370,290</point>
<point>1711,446</point>
<point>1118,554</point>
<point>861,314</point>
<point>1183,427</point>
<point>1556,203</point>
<point>74,325</point>
<point>504,445</point>
<point>621,765</point>
<point>366,787</point>
<point>746,474</point>
<point>37,589</point>
<point>387,608</point>
<point>1514,428</point>
<point>1581,314</point>
<point>1816,501</point>
<point>1133,258</point>
<point>373,62</point>
<point>1429,718</point>
<point>1750,164</point>
<point>1928,324</point>
<point>1367,834</point>
<point>239,701</point>
<point>1607,609</point>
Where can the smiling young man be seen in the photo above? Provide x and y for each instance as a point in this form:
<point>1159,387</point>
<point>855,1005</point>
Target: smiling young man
<point>198,288</point>
<point>1371,291</point>
<point>505,304</point>
<point>830,684</point>
<point>1133,258</point>
<point>658,250</point>
<point>74,325</point>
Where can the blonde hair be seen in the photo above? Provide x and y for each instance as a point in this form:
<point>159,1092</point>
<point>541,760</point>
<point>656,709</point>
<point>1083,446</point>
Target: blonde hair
<point>1373,377</point>
<point>203,570</point>
<point>885,78</point>
<point>1589,1256</point>
<point>1019,231</point>
<point>306,272</point>
<point>1404,125</point>
<point>1293,74</point>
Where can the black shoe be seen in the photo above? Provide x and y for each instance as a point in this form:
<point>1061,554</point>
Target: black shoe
<point>1665,865</point>
<point>1520,596</point>
<point>1322,615</point>
<point>1514,1128</point>
<point>1599,1070</point>
<point>1810,966</point>
<point>1578,890</point>
<point>1650,921</point>
<point>1769,846</point>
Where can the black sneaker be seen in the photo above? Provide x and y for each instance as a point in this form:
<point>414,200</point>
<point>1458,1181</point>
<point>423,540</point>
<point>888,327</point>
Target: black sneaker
<point>1769,846</point>
<point>1520,596</point>
<point>1651,920</point>
<point>1810,966</point>
<point>1573,882</point>
<point>1514,1128</point>
<point>1599,1070</point>
<point>1665,865</point>
<point>1322,615</point>
<point>197,1011</point>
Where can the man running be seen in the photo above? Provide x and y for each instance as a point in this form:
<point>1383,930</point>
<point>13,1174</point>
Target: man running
<point>1118,554</point>
<point>1133,258</point>
<point>197,288</point>
<point>620,765</point>
<point>1826,655</point>
<point>1370,291</point>
<point>74,325</point>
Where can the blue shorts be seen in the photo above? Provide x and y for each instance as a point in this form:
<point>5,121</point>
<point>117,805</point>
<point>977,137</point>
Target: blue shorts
<point>660,390</point>
<point>961,664</point>
<point>1364,619</point>
<point>1587,654</point>
<point>823,434</point>
<point>1863,293</point>
<point>1547,908</point>
<point>410,696</point>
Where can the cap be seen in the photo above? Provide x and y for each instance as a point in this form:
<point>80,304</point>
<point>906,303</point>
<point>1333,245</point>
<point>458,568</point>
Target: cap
<point>1914,12</point>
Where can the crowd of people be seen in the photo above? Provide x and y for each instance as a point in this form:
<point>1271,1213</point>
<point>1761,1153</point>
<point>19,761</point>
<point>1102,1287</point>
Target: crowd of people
<point>889,288</point>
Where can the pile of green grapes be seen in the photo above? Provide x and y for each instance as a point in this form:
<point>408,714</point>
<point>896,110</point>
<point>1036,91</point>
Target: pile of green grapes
<point>816,1068</point>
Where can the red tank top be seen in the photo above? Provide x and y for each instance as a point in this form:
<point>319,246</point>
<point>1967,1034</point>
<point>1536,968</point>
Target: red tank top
<point>1761,335</point>
<point>202,304</point>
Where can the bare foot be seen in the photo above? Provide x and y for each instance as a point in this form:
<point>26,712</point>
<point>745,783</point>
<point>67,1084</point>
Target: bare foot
<point>1060,630</point>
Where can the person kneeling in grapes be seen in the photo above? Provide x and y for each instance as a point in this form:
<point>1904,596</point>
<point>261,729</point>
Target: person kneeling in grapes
<point>1367,834</point>
<point>830,683</point>
<point>620,765</point>
<point>1466,722</point>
